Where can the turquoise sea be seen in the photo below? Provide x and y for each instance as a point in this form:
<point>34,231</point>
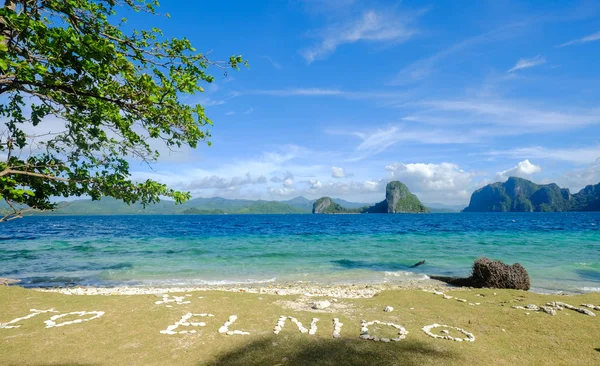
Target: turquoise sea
<point>561,251</point>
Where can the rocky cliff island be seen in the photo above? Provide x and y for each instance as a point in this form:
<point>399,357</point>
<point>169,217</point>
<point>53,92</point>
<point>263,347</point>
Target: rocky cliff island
<point>522,195</point>
<point>398,199</point>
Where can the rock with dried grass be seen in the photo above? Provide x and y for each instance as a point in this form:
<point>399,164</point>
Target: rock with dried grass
<point>495,274</point>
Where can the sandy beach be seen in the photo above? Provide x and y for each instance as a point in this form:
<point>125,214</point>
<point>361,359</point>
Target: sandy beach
<point>296,325</point>
<point>349,291</point>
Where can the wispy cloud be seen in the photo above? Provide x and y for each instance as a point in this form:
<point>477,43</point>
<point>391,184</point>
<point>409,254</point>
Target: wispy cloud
<point>421,69</point>
<point>579,155</point>
<point>273,63</point>
<point>249,111</point>
<point>526,63</point>
<point>209,102</point>
<point>230,113</point>
<point>586,39</point>
<point>321,92</point>
<point>524,118</point>
<point>372,26</point>
<point>307,92</point>
<point>379,140</point>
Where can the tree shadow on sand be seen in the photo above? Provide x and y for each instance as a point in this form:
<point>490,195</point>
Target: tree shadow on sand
<point>277,351</point>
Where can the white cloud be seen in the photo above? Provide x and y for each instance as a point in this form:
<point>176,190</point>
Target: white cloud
<point>315,184</point>
<point>234,183</point>
<point>284,192</point>
<point>578,179</point>
<point>579,155</point>
<point>315,188</point>
<point>526,63</point>
<point>230,113</point>
<point>337,172</point>
<point>288,182</point>
<point>371,185</point>
<point>249,111</point>
<point>212,181</point>
<point>445,182</point>
<point>353,188</point>
<point>586,39</point>
<point>372,26</point>
<point>524,169</point>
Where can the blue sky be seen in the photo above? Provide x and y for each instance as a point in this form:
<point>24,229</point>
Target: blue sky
<point>343,96</point>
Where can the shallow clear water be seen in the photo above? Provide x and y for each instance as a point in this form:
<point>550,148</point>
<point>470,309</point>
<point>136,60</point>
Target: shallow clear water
<point>561,251</point>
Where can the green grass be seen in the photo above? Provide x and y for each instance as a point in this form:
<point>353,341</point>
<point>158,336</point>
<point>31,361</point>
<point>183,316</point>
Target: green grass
<point>128,333</point>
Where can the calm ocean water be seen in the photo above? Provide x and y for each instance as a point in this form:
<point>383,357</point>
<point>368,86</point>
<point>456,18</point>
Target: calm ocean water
<point>561,251</point>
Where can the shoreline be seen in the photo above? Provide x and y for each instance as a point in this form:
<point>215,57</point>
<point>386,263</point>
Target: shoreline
<point>343,291</point>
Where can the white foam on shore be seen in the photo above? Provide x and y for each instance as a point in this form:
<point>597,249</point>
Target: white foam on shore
<point>408,275</point>
<point>282,289</point>
<point>193,283</point>
<point>590,289</point>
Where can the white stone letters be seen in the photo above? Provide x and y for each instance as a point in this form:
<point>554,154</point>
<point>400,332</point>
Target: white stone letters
<point>364,331</point>
<point>427,329</point>
<point>281,322</point>
<point>51,322</point>
<point>184,322</point>
<point>34,312</point>
<point>225,328</point>
<point>178,300</point>
<point>86,316</point>
<point>337,328</point>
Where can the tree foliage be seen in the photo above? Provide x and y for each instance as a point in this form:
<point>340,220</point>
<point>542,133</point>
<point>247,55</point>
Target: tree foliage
<point>112,93</point>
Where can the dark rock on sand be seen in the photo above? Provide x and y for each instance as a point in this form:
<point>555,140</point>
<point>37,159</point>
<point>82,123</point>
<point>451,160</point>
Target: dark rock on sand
<point>492,274</point>
<point>495,274</point>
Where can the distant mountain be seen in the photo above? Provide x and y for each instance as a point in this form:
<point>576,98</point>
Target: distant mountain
<point>398,199</point>
<point>197,206</point>
<point>443,208</point>
<point>306,204</point>
<point>522,195</point>
<point>300,202</point>
<point>326,205</point>
<point>351,204</point>
<point>110,206</point>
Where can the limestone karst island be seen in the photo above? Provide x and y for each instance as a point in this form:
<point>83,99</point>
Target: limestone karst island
<point>306,182</point>
<point>398,199</point>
